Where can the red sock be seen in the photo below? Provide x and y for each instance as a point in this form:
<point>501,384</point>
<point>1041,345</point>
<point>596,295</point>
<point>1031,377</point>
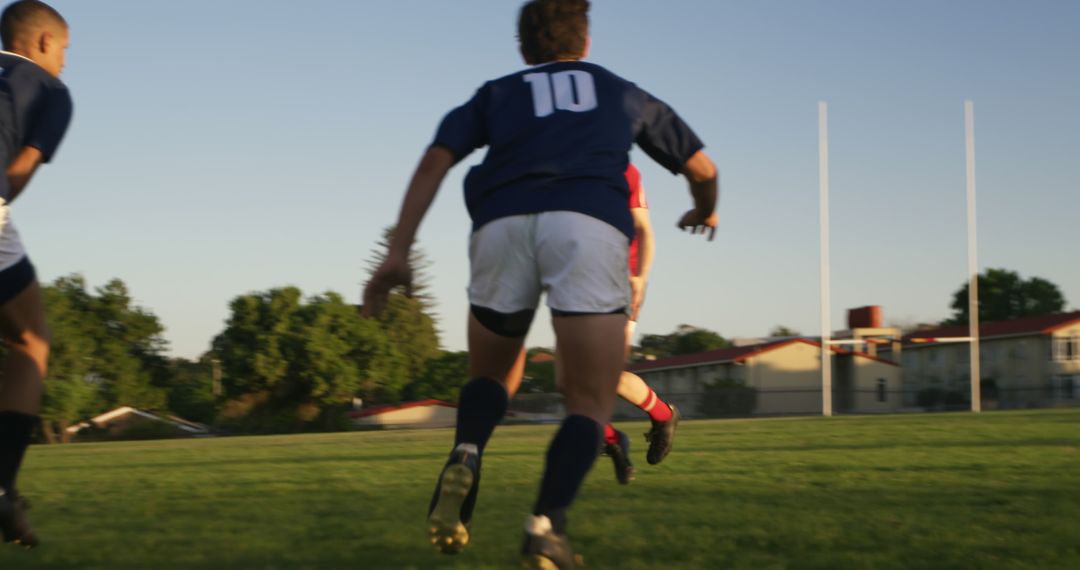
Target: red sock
<point>610,435</point>
<point>657,409</point>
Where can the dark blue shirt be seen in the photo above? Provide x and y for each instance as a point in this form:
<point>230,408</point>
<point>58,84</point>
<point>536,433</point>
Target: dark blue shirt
<point>35,109</point>
<point>559,137</point>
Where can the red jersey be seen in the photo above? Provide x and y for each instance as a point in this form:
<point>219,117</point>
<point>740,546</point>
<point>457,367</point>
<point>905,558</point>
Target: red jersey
<point>637,200</point>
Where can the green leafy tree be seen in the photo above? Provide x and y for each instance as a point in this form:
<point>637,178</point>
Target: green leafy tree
<point>286,363</point>
<point>384,370</point>
<point>409,319</point>
<point>193,393</point>
<point>336,355</point>
<point>129,351</point>
<point>781,330</point>
<point>686,339</point>
<point>251,348</point>
<point>70,389</point>
<point>1005,295</point>
<point>411,331</point>
<point>106,352</point>
<point>443,379</point>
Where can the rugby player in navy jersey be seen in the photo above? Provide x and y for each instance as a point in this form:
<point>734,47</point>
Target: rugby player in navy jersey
<point>35,109</point>
<point>549,211</point>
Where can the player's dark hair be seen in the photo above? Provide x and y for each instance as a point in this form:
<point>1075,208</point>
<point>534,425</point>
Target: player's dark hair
<point>26,16</point>
<point>550,30</point>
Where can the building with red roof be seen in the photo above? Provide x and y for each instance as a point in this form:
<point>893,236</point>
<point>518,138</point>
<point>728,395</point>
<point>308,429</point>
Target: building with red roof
<point>771,377</point>
<point>1026,362</point>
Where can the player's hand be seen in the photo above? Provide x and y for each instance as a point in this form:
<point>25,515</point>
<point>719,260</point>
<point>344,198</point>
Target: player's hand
<point>699,223</point>
<point>393,272</point>
<point>637,298</point>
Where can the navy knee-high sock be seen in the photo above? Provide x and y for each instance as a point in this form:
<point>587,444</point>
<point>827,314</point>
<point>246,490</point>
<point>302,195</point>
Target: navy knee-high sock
<point>15,432</point>
<point>569,458</point>
<point>481,406</point>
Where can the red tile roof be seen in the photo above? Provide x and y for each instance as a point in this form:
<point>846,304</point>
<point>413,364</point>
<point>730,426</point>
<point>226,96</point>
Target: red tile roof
<point>739,354</point>
<point>1042,324</point>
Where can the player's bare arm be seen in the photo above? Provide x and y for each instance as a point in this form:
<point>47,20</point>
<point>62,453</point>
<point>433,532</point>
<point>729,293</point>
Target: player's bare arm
<point>700,173</point>
<point>646,250</point>
<point>394,270</point>
<point>22,169</point>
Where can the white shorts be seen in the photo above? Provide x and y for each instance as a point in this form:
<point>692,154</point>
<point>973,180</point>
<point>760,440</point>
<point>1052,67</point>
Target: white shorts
<point>578,260</point>
<point>11,247</point>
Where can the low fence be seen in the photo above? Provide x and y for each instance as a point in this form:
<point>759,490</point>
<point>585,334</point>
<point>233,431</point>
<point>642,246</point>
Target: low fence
<point>749,402</point>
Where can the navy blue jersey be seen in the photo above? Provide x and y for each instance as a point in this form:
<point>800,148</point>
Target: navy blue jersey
<point>559,137</point>
<point>35,109</point>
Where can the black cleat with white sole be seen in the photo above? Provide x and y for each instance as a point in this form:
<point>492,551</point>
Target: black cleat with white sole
<point>545,549</point>
<point>450,513</point>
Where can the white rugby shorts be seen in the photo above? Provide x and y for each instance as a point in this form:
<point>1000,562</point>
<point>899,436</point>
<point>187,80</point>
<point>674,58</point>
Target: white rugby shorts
<point>11,247</point>
<point>578,260</point>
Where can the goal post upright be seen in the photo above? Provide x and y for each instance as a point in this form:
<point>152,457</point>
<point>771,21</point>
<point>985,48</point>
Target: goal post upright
<point>823,195</point>
<point>972,257</point>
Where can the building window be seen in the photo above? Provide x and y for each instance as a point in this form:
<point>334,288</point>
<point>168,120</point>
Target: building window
<point>882,394</point>
<point>1064,387</point>
<point>1065,349</point>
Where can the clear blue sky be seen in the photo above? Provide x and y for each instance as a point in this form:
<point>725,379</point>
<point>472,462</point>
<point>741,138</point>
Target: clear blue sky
<point>221,147</point>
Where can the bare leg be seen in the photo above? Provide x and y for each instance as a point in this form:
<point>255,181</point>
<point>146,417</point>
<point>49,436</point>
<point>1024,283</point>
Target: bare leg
<point>516,375</point>
<point>589,359</point>
<point>22,325</point>
<point>632,388</point>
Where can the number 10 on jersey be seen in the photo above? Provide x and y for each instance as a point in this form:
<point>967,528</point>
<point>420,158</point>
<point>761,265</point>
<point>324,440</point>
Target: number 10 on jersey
<point>571,90</point>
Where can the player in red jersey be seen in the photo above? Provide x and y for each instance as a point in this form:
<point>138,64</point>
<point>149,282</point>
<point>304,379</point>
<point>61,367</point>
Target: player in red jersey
<point>632,388</point>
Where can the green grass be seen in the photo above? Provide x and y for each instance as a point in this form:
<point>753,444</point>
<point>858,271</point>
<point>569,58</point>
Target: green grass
<point>997,490</point>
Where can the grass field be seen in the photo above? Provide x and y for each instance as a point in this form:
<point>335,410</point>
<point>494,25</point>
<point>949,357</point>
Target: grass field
<point>997,490</point>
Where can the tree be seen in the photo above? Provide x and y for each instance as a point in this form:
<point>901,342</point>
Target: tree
<point>250,349</point>
<point>781,330</point>
<point>686,339</point>
<point>130,350</point>
<point>192,394</point>
<point>443,379</point>
<point>70,392</point>
<point>409,319</point>
<point>286,362</point>
<point>336,354</point>
<point>411,331</point>
<point>1004,295</point>
<point>105,353</point>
